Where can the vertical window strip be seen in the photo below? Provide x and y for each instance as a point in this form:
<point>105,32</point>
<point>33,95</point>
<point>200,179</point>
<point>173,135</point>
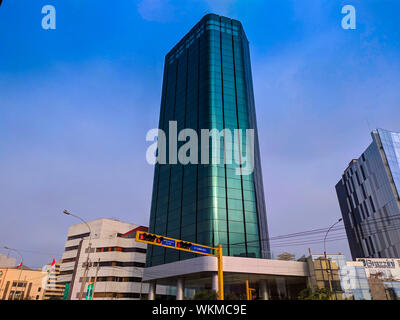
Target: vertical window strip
<point>162,120</point>
<point>240,149</point>
<point>170,166</point>
<point>223,121</point>
<point>183,167</point>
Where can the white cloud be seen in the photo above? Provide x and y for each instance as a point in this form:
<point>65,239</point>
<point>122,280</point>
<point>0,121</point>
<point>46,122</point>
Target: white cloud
<point>156,10</point>
<point>222,7</point>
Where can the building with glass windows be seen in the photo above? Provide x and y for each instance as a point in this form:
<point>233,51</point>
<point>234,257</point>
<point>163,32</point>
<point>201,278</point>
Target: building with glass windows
<point>383,276</point>
<point>207,84</point>
<point>346,279</point>
<point>368,195</point>
<point>392,290</point>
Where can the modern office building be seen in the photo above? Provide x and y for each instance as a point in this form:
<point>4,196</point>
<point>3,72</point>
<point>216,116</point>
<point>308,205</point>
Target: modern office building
<point>207,84</point>
<point>116,261</point>
<point>368,195</point>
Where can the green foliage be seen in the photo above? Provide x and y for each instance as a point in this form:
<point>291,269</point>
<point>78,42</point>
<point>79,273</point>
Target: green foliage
<point>231,296</point>
<point>316,294</point>
<point>205,295</point>
<point>286,256</point>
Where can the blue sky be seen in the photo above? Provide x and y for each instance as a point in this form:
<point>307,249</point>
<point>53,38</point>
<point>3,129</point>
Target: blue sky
<point>76,103</point>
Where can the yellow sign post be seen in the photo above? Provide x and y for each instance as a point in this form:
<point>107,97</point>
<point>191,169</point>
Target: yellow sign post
<point>171,243</point>
<point>249,294</point>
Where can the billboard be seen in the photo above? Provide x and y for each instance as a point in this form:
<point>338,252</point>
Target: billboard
<point>382,268</point>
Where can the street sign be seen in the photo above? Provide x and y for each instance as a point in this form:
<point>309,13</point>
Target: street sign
<point>168,242</point>
<point>89,292</point>
<point>66,291</point>
<point>171,243</point>
<point>159,240</point>
<point>200,249</point>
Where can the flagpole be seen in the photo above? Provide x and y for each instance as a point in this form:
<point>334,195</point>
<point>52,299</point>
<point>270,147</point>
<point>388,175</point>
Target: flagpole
<point>20,272</point>
<point>2,282</point>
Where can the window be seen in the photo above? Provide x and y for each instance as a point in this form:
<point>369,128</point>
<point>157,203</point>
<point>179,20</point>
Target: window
<point>358,178</point>
<point>372,204</point>
<point>66,272</point>
<point>120,249</point>
<point>363,191</point>
<point>362,172</point>
<point>71,248</point>
<point>78,236</point>
<point>120,264</point>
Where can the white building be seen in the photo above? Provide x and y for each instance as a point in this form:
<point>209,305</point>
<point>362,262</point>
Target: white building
<point>52,289</point>
<point>273,279</point>
<point>116,261</point>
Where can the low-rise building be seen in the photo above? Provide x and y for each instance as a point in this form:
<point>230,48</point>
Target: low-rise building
<point>270,279</point>
<point>278,279</point>
<point>345,279</point>
<point>104,255</point>
<point>21,283</point>
<point>383,276</point>
<point>52,289</point>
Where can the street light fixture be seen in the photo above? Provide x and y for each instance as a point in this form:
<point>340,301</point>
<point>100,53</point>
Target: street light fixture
<point>327,234</point>
<point>84,280</point>
<point>22,266</point>
<point>326,259</point>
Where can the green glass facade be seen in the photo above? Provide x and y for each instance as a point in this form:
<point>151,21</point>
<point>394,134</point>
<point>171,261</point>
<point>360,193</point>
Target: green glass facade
<point>208,84</point>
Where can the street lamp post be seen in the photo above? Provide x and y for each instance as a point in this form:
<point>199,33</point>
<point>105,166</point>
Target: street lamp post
<point>326,259</point>
<point>84,279</point>
<point>22,266</point>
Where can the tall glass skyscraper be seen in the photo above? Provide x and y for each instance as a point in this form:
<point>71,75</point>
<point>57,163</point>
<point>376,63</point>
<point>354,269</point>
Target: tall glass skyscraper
<point>369,199</point>
<point>207,84</point>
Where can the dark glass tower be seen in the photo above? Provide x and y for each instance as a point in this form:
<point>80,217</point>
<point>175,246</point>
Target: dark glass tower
<point>207,84</point>
<point>369,198</point>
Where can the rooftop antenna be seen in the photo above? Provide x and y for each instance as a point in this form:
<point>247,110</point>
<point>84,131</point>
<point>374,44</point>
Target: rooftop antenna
<point>369,125</point>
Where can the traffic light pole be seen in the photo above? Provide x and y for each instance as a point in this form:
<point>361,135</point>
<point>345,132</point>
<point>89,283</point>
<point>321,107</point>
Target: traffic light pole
<point>220,274</point>
<point>176,244</point>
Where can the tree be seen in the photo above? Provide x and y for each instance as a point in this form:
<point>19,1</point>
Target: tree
<point>286,256</point>
<point>205,295</point>
<point>316,294</point>
<point>231,296</point>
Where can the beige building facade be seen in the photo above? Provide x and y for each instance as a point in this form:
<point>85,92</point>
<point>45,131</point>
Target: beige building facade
<point>21,284</point>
